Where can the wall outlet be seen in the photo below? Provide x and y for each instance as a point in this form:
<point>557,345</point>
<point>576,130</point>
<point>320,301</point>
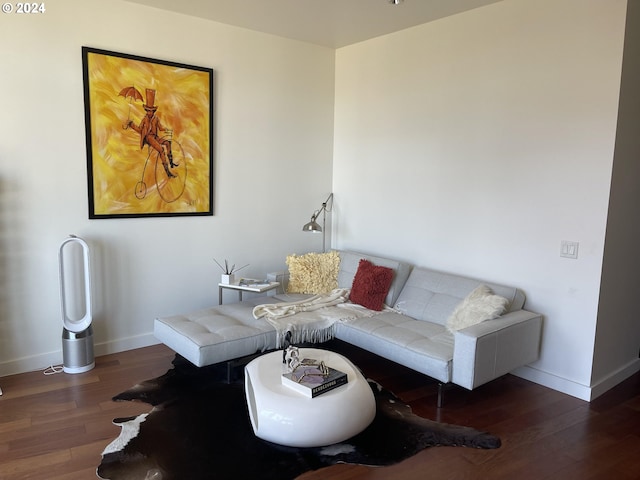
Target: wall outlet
<point>569,249</point>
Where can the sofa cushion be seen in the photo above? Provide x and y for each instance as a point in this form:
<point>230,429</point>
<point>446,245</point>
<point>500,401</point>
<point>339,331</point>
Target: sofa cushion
<point>217,334</point>
<point>313,273</point>
<point>480,305</point>
<point>371,285</point>
<point>431,295</point>
<point>350,261</point>
<point>423,346</point>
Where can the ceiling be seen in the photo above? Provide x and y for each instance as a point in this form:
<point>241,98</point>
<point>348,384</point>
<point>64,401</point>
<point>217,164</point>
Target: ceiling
<point>330,23</point>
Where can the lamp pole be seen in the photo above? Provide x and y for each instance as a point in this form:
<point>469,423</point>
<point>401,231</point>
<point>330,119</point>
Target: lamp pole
<point>324,221</point>
<point>324,226</point>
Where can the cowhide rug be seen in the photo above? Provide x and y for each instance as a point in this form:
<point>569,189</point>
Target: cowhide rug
<point>199,429</point>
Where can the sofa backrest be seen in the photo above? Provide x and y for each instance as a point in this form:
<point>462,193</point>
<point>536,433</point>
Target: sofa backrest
<point>431,295</point>
<point>349,262</point>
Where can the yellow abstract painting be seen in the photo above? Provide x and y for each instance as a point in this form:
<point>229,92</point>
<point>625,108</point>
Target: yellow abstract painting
<point>149,129</point>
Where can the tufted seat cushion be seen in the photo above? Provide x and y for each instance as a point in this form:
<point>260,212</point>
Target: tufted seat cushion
<point>217,334</point>
<point>423,346</point>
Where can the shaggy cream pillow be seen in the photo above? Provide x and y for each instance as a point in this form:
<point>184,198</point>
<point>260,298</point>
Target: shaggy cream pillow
<point>480,305</point>
<point>313,272</point>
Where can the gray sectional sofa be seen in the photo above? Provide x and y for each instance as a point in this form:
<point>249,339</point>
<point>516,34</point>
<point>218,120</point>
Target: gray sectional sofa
<point>413,333</point>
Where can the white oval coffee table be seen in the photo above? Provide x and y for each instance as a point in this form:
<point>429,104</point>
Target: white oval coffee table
<point>284,416</point>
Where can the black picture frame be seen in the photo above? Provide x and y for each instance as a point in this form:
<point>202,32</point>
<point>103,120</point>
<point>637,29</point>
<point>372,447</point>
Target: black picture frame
<point>149,136</point>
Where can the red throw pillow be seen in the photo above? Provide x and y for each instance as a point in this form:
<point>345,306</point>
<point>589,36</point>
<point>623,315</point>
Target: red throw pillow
<point>371,285</point>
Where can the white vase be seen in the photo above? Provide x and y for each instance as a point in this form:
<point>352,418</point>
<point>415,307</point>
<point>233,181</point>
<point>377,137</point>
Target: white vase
<point>227,279</point>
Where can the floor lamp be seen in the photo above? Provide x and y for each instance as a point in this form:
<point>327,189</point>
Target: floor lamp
<point>313,226</point>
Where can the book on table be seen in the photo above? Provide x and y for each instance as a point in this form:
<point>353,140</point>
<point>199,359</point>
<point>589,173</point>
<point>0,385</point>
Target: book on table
<point>252,282</point>
<point>313,378</point>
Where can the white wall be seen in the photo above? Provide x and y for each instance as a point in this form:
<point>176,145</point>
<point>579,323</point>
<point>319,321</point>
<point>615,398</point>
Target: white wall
<point>476,143</point>
<point>273,128</point>
<point>618,332</point>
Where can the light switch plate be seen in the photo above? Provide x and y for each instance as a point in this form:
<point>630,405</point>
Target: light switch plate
<point>569,249</point>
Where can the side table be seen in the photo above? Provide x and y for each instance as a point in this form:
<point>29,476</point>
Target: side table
<point>245,288</point>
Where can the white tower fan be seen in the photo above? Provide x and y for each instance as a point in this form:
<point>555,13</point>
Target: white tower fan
<point>75,296</point>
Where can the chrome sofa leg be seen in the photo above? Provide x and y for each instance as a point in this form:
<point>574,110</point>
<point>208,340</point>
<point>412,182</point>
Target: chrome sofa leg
<point>441,389</point>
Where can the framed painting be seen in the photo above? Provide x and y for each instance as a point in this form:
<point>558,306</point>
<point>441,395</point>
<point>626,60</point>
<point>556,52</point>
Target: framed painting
<point>149,134</point>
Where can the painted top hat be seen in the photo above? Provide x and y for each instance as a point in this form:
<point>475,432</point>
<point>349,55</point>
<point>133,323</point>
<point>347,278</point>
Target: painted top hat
<point>151,98</point>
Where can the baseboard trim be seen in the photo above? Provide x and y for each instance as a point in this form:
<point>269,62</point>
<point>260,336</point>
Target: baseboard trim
<point>608,382</point>
<point>44,360</point>
<point>583,392</point>
<point>124,344</point>
<point>578,390</point>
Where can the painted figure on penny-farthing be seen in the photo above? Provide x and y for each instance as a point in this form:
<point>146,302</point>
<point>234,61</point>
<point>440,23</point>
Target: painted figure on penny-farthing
<point>169,181</point>
<point>148,129</point>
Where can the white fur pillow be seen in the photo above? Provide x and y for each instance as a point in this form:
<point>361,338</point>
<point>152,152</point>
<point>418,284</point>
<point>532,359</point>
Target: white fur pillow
<point>480,305</point>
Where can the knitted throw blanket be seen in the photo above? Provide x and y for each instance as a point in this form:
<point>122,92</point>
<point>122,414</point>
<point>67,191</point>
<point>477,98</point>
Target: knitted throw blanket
<point>313,319</point>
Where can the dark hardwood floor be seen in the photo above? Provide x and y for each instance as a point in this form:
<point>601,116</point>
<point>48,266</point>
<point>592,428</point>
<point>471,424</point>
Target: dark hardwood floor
<point>55,427</point>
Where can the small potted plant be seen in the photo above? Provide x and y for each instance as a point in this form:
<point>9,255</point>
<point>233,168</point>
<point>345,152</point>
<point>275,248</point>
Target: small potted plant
<point>228,272</point>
